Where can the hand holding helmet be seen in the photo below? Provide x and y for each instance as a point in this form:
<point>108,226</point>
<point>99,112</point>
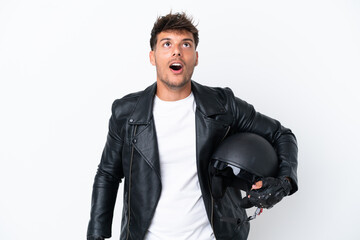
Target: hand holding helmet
<point>248,162</point>
<point>270,192</point>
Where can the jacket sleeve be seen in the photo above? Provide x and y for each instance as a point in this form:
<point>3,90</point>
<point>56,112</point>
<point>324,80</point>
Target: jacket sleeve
<point>106,183</point>
<point>282,139</point>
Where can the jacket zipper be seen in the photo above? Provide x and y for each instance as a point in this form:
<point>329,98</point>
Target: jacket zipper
<point>131,160</point>
<point>212,199</point>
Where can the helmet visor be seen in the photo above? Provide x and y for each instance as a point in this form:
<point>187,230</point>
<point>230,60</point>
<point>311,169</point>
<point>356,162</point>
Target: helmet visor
<point>237,171</point>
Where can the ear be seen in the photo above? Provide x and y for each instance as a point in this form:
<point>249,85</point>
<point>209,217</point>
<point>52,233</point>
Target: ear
<point>152,58</point>
<point>197,58</point>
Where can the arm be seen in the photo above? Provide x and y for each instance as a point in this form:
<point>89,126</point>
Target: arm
<point>282,139</point>
<point>106,183</point>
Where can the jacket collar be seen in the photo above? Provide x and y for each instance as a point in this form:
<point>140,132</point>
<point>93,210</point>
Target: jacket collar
<point>205,98</point>
<point>142,113</point>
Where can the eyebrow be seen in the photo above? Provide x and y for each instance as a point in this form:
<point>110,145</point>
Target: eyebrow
<point>185,39</point>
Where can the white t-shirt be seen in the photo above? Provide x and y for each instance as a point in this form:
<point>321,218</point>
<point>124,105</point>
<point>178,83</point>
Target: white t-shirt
<point>180,213</point>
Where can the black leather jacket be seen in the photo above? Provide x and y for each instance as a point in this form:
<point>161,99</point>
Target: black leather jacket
<point>131,153</point>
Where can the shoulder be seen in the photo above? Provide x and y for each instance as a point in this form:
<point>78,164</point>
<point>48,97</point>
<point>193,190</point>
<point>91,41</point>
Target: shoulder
<point>125,105</point>
<point>221,94</point>
<point>224,96</point>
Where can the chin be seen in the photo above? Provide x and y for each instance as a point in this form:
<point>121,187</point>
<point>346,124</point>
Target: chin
<point>176,84</point>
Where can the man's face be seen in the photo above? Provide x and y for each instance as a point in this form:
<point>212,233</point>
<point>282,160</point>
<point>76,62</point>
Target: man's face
<point>175,58</point>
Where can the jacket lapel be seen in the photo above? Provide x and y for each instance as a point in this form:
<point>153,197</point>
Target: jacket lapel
<point>212,125</point>
<point>207,100</point>
<point>145,139</point>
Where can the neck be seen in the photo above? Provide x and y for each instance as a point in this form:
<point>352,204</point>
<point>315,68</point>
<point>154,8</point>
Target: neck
<point>166,93</point>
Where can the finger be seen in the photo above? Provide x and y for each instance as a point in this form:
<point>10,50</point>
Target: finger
<point>270,182</point>
<point>257,185</point>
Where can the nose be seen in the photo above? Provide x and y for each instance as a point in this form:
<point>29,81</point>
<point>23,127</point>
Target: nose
<point>176,52</point>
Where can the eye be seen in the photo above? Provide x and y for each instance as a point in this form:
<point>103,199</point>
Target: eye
<point>167,44</point>
<point>187,45</point>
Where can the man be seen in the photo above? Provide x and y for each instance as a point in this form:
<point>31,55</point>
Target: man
<point>160,142</point>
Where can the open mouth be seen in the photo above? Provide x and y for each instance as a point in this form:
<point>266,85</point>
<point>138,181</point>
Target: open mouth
<point>176,67</point>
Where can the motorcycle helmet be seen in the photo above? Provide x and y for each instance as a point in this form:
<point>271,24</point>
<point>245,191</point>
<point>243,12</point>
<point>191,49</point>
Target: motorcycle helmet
<point>239,161</point>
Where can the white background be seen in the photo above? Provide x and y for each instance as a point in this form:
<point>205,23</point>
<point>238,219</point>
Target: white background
<point>62,63</point>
